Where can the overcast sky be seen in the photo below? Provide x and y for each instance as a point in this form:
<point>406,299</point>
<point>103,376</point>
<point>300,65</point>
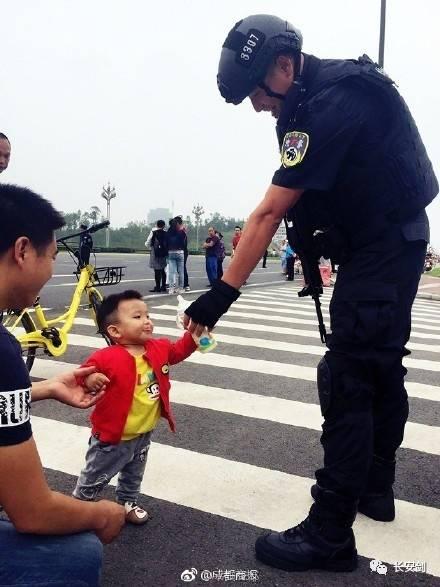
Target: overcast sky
<point>125,91</point>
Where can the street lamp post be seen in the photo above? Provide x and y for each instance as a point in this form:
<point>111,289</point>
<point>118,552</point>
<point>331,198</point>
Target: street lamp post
<point>383,8</point>
<point>108,193</point>
<point>198,212</point>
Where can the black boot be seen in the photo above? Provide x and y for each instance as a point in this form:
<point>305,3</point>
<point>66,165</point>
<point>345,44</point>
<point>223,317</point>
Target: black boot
<point>378,506</point>
<point>313,544</point>
<point>377,502</point>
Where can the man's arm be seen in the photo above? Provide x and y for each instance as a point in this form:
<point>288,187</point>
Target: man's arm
<point>258,233</point>
<point>33,508</point>
<point>149,239</point>
<point>256,237</point>
<point>68,388</point>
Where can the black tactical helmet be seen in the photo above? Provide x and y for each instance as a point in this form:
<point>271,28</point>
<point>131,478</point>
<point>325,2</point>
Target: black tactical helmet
<point>248,51</point>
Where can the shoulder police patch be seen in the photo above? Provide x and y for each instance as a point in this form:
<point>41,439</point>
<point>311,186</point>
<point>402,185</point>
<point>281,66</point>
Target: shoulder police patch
<point>294,148</point>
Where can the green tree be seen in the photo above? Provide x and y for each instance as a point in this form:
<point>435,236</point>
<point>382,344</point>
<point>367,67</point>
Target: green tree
<point>95,214</point>
<point>72,220</point>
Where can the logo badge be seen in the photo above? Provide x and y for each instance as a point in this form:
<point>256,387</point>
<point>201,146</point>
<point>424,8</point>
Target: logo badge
<point>188,575</point>
<point>294,148</point>
<point>378,567</point>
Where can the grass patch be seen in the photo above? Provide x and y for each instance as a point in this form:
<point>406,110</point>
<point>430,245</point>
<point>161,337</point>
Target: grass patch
<point>434,273</point>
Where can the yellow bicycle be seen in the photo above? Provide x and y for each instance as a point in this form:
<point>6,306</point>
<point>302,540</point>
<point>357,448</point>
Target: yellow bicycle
<point>50,335</point>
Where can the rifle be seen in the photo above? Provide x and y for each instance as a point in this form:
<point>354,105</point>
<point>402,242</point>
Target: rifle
<point>300,237</point>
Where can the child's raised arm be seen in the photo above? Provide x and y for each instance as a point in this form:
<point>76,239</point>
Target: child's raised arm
<point>181,349</point>
<point>96,382</point>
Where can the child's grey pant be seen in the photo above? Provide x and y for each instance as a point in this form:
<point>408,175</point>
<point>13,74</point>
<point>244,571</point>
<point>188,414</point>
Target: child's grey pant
<point>104,461</point>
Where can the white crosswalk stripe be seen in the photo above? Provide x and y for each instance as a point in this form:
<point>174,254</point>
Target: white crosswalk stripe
<point>269,332</point>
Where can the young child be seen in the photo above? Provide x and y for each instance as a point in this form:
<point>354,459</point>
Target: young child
<point>135,372</point>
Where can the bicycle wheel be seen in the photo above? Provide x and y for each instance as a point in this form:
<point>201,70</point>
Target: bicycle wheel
<point>16,322</point>
<point>95,299</point>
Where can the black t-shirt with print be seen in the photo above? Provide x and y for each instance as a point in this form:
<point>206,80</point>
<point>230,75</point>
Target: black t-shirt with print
<point>15,392</point>
<point>212,251</point>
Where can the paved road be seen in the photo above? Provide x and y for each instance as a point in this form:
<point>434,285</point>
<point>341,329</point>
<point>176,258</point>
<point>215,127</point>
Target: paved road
<point>246,448</point>
<point>138,275</point>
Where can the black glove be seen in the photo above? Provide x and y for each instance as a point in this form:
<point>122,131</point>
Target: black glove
<point>209,307</point>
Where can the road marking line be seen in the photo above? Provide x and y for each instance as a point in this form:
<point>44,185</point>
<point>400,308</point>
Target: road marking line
<point>267,344</point>
<point>419,437</point>
<point>283,319</point>
<point>46,368</point>
<point>422,314</point>
<point>247,493</point>
<point>226,323</point>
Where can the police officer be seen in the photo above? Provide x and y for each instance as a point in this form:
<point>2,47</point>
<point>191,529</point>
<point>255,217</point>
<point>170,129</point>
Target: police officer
<point>353,162</point>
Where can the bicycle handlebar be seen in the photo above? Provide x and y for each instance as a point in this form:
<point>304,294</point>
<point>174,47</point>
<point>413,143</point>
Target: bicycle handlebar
<point>96,227</point>
<point>93,228</point>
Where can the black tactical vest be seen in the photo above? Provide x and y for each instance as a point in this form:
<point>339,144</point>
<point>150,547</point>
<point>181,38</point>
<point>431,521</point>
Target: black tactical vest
<point>393,183</point>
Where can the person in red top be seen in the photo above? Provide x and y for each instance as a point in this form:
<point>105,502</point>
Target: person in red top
<point>135,374</point>
<point>235,239</point>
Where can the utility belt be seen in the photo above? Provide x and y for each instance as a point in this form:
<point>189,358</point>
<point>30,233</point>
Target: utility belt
<point>333,243</point>
<point>330,242</point>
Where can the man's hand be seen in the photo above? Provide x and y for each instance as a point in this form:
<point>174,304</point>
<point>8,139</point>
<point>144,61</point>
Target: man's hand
<point>113,519</point>
<point>206,310</point>
<point>96,382</point>
<point>65,388</point>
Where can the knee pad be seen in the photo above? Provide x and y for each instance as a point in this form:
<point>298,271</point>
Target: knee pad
<point>344,384</point>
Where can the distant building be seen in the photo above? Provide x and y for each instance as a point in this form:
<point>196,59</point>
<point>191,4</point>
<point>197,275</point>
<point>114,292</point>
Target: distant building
<point>280,234</point>
<point>156,214</point>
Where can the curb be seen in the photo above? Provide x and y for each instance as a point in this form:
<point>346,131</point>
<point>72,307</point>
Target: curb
<point>206,289</point>
<point>421,295</point>
<point>428,296</point>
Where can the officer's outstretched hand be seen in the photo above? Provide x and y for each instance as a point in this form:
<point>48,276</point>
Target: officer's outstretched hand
<point>206,310</point>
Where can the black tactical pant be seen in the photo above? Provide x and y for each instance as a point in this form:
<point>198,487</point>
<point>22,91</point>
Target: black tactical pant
<point>361,377</point>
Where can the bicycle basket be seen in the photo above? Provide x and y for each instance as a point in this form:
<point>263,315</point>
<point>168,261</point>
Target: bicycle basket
<point>108,275</point>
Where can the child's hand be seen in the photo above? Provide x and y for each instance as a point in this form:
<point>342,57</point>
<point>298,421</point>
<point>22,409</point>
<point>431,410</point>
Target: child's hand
<point>96,382</point>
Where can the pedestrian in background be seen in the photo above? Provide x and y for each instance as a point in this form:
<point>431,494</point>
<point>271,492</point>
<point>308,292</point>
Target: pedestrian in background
<point>5,152</point>
<point>221,254</point>
<point>182,226</point>
<point>290,263</point>
<point>158,242</point>
<point>177,242</point>
<point>211,246</point>
<point>235,239</point>
<point>283,256</point>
